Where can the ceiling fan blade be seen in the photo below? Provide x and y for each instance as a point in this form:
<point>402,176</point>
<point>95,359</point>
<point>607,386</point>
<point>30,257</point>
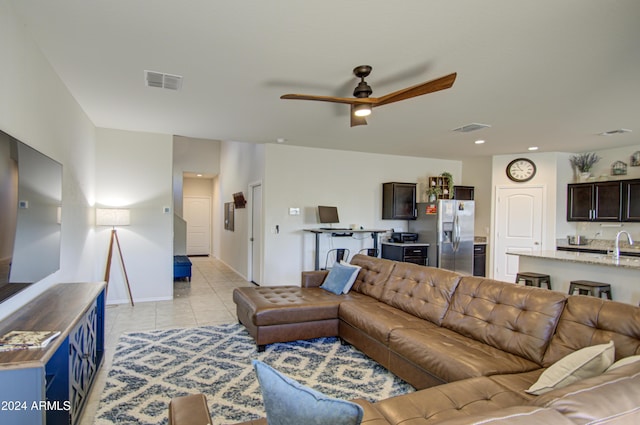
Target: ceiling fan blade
<point>347,100</point>
<point>438,84</point>
<point>355,120</point>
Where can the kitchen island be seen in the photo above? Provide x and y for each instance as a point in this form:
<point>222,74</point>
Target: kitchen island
<point>622,274</point>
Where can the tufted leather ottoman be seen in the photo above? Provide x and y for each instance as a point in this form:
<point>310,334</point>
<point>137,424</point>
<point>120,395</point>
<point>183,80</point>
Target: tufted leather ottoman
<point>287,313</point>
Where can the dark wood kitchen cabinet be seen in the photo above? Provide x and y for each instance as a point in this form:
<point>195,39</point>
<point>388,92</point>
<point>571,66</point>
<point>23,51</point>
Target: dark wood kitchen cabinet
<point>601,201</point>
<point>631,200</point>
<point>480,260</point>
<point>399,201</point>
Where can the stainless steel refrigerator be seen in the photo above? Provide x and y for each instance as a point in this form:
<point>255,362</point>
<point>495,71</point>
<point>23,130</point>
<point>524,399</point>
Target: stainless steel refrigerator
<point>449,232</point>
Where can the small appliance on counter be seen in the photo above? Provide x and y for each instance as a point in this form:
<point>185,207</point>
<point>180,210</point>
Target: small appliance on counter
<point>577,240</point>
<point>404,237</point>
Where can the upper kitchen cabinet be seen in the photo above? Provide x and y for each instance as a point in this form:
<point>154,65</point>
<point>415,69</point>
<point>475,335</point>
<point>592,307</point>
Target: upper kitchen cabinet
<point>399,201</point>
<point>601,201</point>
<point>631,200</point>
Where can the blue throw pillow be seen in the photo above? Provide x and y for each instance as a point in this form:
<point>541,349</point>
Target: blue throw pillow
<point>287,402</point>
<point>338,278</point>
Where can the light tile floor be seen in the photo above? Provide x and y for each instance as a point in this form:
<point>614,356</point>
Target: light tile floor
<point>206,300</point>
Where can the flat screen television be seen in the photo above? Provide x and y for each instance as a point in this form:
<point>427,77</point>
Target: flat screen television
<point>30,215</point>
<point>328,215</point>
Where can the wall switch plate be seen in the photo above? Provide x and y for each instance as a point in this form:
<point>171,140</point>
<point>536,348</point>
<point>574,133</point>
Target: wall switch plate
<point>23,205</point>
<point>294,211</point>
<point>166,210</point>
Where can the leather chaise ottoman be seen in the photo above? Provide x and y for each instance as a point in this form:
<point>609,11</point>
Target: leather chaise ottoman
<point>287,313</point>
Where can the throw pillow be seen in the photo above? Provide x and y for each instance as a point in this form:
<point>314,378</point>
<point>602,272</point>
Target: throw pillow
<point>287,402</point>
<point>623,362</point>
<point>353,277</point>
<point>584,363</point>
<point>338,278</point>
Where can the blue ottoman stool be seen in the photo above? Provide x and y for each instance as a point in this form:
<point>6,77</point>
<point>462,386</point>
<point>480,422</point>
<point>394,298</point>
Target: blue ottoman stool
<point>181,267</point>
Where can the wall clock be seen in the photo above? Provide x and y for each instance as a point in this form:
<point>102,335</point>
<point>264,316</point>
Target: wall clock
<point>521,170</point>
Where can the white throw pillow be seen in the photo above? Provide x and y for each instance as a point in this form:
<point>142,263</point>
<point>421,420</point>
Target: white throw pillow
<point>623,362</point>
<point>584,363</point>
<point>353,277</point>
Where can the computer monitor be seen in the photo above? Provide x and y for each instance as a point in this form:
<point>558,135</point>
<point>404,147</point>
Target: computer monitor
<point>328,215</point>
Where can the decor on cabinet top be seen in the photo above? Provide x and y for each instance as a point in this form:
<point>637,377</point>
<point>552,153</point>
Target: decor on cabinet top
<point>583,163</point>
<point>440,187</point>
<point>619,168</point>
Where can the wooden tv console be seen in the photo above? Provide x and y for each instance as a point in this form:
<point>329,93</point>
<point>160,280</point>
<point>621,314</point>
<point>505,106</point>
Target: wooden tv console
<point>51,385</point>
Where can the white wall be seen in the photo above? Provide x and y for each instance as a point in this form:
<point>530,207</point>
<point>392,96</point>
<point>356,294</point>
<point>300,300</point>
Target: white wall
<point>133,170</point>
<point>241,164</point>
<point>352,181</point>
<point>36,108</point>
<point>196,156</point>
<point>477,172</point>
<point>547,177</point>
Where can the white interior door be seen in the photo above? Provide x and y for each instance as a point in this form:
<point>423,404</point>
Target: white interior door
<point>255,238</point>
<point>197,213</point>
<point>519,227</point>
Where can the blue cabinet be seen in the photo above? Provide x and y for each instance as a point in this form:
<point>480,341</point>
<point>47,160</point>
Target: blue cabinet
<point>51,385</point>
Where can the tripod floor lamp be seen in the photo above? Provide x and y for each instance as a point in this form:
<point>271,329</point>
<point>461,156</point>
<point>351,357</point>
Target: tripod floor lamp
<point>114,217</point>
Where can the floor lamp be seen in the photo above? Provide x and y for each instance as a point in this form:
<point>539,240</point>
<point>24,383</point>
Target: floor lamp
<point>114,217</point>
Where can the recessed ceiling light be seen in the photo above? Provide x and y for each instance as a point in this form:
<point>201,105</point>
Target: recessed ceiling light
<point>533,148</point>
<point>281,140</point>
<point>479,142</point>
<point>198,175</point>
<point>612,132</point>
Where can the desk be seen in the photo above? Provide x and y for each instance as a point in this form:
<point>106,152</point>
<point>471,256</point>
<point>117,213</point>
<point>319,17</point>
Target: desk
<point>318,232</point>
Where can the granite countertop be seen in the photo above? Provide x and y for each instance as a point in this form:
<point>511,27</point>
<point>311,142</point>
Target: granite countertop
<point>584,257</point>
<point>602,245</point>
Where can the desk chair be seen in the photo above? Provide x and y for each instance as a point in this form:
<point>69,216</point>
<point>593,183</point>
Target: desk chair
<point>371,252</point>
<point>335,256</point>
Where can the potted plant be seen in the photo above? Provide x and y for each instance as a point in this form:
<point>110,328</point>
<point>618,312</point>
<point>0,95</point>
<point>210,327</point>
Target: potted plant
<point>449,178</point>
<point>583,162</point>
<point>433,192</point>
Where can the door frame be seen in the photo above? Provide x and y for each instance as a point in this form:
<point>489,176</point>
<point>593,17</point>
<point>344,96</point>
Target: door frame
<point>250,225</point>
<point>543,224</point>
<point>210,220</point>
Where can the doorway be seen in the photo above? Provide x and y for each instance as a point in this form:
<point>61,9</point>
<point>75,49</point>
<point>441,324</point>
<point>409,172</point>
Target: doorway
<point>197,214</point>
<point>255,234</point>
<point>518,227</point>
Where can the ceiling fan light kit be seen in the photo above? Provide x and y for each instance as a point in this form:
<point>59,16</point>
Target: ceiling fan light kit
<point>362,110</point>
<point>361,104</point>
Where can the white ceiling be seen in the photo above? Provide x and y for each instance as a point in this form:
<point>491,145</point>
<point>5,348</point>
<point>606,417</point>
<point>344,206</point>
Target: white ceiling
<point>546,73</point>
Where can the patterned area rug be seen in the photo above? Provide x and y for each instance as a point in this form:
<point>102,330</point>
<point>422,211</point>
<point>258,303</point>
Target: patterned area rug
<point>150,368</point>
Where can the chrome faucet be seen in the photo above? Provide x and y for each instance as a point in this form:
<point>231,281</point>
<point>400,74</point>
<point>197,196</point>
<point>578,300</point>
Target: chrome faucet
<point>616,253</point>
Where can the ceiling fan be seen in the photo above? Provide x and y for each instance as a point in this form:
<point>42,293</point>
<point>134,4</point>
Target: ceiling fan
<point>361,104</point>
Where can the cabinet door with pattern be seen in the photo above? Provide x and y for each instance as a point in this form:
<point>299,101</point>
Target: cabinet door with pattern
<point>82,358</point>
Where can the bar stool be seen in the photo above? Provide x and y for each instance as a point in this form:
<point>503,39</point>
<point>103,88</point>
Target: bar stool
<point>587,287</point>
<point>534,279</point>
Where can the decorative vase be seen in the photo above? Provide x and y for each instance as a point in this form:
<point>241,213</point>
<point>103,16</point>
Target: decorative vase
<point>584,176</point>
<point>432,198</point>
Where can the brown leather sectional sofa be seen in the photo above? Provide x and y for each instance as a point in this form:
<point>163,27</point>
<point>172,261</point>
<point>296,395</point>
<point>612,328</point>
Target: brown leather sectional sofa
<point>472,346</point>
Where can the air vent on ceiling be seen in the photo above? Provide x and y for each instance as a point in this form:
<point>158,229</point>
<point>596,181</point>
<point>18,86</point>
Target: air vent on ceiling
<point>612,132</point>
<point>162,80</point>
<point>471,127</point>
